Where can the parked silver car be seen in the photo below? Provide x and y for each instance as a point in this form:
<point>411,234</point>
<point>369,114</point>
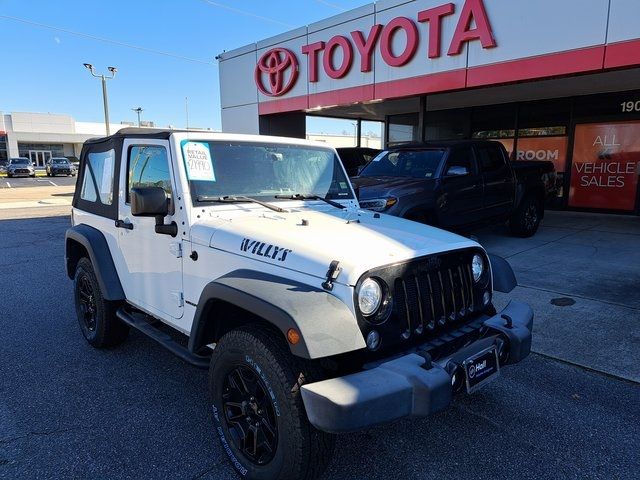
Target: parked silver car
<point>20,166</point>
<point>60,166</point>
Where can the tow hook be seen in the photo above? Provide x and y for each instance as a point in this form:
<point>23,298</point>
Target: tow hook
<point>332,274</point>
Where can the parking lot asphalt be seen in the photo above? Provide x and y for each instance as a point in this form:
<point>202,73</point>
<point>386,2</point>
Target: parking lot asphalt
<point>21,182</point>
<point>70,411</point>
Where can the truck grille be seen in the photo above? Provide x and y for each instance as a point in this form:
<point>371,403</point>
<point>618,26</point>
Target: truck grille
<point>427,300</point>
<point>430,297</point>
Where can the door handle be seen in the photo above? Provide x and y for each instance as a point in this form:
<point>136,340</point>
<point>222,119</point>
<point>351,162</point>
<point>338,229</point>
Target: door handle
<point>123,224</point>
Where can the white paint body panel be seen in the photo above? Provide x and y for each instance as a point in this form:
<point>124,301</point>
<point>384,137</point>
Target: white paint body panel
<point>150,274</point>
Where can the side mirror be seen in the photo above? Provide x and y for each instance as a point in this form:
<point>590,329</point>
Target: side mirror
<point>153,202</point>
<point>149,202</point>
<point>457,171</point>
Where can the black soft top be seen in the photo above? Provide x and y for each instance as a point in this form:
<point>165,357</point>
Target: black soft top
<point>133,132</point>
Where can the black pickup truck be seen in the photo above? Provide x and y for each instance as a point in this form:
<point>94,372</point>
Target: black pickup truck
<point>457,185</point>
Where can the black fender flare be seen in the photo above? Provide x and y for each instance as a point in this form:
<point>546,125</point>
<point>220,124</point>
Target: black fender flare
<point>326,325</point>
<point>97,248</point>
<point>504,279</point>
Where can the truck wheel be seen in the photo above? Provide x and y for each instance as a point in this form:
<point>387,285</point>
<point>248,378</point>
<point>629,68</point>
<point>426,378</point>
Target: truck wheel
<point>97,316</point>
<point>258,413</point>
<point>526,220</point>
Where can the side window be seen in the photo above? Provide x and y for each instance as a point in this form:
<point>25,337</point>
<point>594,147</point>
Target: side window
<point>148,166</point>
<point>490,158</point>
<point>97,184</point>
<point>460,161</point>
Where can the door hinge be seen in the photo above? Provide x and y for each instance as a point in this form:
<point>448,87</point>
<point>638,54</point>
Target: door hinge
<point>176,249</point>
<point>178,297</point>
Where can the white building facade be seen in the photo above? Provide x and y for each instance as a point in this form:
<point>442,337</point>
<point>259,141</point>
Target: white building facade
<point>552,80</point>
<point>40,136</point>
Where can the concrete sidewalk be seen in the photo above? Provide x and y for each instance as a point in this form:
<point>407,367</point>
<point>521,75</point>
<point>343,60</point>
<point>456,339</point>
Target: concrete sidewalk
<point>32,197</point>
<point>591,264</point>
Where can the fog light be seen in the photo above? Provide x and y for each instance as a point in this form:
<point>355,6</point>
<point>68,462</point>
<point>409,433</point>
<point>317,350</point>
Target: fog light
<point>373,340</point>
<point>486,298</point>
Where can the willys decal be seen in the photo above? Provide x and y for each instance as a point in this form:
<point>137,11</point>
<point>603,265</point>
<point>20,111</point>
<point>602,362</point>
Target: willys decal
<point>262,249</point>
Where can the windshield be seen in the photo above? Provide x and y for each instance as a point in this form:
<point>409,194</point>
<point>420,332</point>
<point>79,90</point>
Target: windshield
<point>19,161</point>
<point>60,161</point>
<point>404,163</point>
<point>262,170</point>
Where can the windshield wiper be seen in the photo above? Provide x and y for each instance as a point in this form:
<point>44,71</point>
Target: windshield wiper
<point>239,199</point>
<point>300,196</point>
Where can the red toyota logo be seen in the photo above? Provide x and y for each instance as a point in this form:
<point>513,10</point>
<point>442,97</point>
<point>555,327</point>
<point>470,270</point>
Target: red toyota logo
<point>276,65</point>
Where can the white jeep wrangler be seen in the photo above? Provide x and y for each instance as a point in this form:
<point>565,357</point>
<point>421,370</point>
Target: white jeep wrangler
<point>314,317</point>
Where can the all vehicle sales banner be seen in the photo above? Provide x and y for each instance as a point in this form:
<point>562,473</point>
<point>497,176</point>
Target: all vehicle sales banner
<point>606,160</point>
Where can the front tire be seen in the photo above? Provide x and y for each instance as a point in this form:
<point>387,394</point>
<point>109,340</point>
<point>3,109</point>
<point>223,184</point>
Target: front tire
<point>526,219</point>
<point>97,316</point>
<point>259,416</point>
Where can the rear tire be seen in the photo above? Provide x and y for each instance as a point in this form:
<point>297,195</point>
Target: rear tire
<point>526,219</point>
<point>255,363</point>
<point>97,317</point>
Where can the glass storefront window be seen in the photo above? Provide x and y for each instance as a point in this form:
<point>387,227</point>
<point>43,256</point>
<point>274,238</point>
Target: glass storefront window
<point>4,154</point>
<point>404,128</point>
<point>542,131</point>
<point>606,160</point>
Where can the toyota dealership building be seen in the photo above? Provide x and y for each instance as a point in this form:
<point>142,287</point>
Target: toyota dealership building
<point>551,80</point>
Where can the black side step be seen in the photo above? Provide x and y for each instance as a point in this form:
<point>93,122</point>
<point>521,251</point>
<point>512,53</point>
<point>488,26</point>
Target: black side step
<point>163,339</point>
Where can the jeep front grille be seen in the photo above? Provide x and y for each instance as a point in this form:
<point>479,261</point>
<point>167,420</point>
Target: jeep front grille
<point>427,300</point>
<point>430,297</point>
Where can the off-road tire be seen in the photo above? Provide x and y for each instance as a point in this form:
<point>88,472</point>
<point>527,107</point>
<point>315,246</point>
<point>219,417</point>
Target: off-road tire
<point>526,219</point>
<point>302,452</point>
<point>107,329</point>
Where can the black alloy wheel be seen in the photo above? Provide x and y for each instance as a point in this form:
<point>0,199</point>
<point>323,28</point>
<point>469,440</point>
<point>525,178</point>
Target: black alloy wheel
<point>87,305</point>
<point>531,217</point>
<point>97,317</point>
<point>250,415</point>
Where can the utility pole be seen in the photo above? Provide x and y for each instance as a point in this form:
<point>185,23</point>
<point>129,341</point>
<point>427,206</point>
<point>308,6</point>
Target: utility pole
<point>186,109</point>
<point>105,99</point>
<point>138,110</point>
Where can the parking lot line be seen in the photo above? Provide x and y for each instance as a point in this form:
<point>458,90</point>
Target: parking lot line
<point>52,183</point>
<point>8,185</point>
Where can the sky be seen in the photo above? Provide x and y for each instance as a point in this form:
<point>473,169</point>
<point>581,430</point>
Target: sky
<point>170,53</point>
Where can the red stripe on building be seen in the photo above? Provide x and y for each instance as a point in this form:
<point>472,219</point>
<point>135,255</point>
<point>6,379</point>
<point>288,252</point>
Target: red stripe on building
<point>433,82</point>
<point>552,65</point>
<point>362,93</point>
<point>283,105</point>
<point>622,54</point>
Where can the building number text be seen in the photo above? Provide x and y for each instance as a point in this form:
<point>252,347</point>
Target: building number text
<point>630,106</point>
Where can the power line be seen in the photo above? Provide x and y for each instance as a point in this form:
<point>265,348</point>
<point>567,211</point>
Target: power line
<point>247,13</point>
<point>106,40</point>
<point>332,5</point>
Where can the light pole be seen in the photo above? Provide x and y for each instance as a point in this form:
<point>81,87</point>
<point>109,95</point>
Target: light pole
<point>138,110</point>
<point>105,100</point>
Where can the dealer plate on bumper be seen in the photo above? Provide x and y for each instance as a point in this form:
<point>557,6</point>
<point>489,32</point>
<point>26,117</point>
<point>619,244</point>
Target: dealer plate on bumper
<point>481,368</point>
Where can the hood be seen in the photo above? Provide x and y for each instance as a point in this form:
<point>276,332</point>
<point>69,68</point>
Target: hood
<point>376,187</point>
<point>307,241</point>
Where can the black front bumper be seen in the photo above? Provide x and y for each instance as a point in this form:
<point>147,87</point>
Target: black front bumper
<point>411,386</point>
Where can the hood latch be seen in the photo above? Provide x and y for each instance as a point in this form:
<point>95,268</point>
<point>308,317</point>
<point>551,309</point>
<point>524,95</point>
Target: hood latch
<point>332,274</point>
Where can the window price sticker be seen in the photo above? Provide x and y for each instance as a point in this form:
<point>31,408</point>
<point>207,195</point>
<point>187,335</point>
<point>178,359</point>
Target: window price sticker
<point>197,157</point>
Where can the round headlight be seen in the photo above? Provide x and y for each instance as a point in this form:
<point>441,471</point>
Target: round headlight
<point>369,296</point>
<point>477,267</point>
